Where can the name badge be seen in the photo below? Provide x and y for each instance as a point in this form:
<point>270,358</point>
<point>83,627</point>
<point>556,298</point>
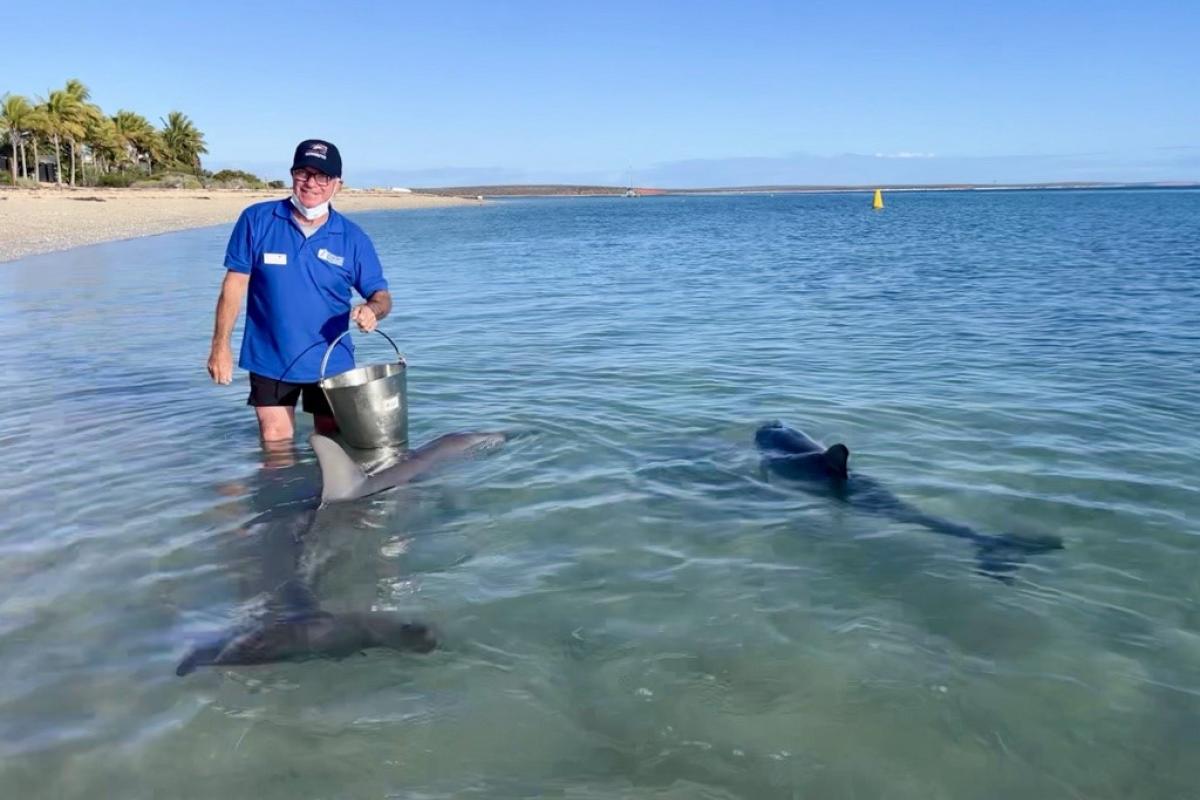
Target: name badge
<point>325,255</point>
<point>275,258</point>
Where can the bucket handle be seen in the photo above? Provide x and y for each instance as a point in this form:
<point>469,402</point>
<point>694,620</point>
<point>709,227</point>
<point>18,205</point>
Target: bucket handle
<point>333,344</point>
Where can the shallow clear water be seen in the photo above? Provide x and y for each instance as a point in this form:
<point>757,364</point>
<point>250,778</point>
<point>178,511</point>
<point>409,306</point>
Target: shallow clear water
<point>627,609</point>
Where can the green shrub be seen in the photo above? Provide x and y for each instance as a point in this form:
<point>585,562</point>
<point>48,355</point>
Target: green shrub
<point>275,185</point>
<point>235,179</point>
<point>24,183</point>
<point>170,181</point>
<point>118,179</point>
<point>234,174</point>
<point>179,181</point>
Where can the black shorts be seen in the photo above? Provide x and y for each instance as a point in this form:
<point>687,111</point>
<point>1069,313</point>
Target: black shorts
<point>273,392</point>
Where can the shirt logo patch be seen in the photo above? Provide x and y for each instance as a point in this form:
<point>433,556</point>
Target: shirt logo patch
<point>275,258</point>
<point>325,255</point>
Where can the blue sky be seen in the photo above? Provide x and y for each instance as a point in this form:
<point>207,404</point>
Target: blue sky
<point>673,93</point>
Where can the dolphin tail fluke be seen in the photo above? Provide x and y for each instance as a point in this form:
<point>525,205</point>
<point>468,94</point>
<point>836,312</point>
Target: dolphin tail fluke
<point>341,477</point>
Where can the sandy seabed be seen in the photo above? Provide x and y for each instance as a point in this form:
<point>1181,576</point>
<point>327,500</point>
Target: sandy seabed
<point>44,220</point>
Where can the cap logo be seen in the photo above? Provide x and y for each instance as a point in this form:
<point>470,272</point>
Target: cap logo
<point>318,150</point>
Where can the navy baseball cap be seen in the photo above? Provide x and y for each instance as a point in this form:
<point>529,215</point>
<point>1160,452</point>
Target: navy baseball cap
<point>320,155</point>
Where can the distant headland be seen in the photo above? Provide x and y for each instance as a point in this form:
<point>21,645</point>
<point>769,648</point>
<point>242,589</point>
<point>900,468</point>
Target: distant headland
<point>570,190</point>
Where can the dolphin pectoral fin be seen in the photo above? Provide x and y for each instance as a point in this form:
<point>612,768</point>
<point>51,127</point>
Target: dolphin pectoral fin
<point>198,657</point>
<point>341,477</point>
<point>292,597</point>
<point>1032,545</point>
<point>996,561</point>
<point>999,557</point>
<point>387,629</point>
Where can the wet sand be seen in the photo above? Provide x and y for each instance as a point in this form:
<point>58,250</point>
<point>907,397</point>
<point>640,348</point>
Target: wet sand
<point>45,220</point>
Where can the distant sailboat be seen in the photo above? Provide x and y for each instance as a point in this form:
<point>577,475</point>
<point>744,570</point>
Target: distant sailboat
<point>631,191</point>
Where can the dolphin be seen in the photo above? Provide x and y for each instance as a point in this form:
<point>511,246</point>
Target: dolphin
<point>790,454</point>
<point>343,479</point>
<point>303,631</point>
<point>295,628</point>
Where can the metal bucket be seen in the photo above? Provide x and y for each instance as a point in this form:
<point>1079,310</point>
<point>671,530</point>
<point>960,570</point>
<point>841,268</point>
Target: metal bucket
<point>369,403</point>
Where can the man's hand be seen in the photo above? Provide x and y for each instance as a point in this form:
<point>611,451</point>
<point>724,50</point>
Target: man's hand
<point>220,365</point>
<point>364,315</point>
<point>220,358</point>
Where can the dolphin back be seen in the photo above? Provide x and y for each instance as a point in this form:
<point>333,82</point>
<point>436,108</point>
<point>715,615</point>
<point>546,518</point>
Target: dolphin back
<point>779,438</point>
<point>343,479</point>
<point>792,454</point>
<point>429,457</point>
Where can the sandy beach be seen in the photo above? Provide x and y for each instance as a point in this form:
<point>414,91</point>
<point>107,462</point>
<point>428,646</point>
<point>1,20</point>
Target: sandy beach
<point>45,220</point>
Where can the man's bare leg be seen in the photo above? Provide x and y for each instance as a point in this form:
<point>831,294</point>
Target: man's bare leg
<point>276,423</point>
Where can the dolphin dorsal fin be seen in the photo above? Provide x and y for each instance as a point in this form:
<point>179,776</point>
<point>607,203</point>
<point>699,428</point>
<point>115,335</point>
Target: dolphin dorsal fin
<point>341,477</point>
<point>838,458</point>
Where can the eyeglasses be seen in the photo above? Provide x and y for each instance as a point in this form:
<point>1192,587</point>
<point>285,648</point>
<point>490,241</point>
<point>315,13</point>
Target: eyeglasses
<point>319,178</point>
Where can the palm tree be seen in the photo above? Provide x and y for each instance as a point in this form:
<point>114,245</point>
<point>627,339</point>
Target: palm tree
<point>125,129</point>
<point>78,89</point>
<point>102,140</point>
<point>87,115</point>
<point>38,127</point>
<point>182,140</point>
<point>61,110</point>
<point>137,137</point>
<point>154,149</point>
<point>15,114</point>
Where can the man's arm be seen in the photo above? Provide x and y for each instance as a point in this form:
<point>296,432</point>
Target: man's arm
<point>378,306</point>
<point>229,305</point>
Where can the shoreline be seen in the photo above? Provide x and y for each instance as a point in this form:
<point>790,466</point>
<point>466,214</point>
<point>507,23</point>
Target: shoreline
<point>48,220</point>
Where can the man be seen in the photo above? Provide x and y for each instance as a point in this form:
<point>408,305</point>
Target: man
<point>299,259</point>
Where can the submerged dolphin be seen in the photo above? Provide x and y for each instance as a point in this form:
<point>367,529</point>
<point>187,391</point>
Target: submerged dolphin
<point>792,455</point>
<point>343,479</point>
<point>304,631</point>
<point>296,628</point>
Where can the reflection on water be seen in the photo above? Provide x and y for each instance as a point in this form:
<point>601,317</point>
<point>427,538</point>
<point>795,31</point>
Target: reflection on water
<point>627,609</point>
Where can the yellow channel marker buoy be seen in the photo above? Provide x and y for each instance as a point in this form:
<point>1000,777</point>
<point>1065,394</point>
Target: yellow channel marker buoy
<point>878,199</point>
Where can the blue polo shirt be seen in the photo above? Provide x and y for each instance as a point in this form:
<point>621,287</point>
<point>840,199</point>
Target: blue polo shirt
<point>299,295</point>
